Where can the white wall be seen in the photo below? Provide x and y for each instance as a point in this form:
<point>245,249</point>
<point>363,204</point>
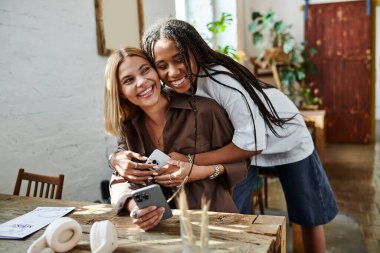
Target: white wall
<point>51,82</point>
<point>154,10</point>
<point>52,95</point>
<point>377,60</point>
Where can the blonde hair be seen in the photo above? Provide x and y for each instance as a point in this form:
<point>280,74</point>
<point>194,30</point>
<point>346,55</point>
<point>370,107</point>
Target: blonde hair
<point>117,109</point>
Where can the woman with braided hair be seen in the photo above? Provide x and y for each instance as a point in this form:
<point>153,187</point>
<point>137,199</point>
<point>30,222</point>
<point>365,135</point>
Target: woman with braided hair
<point>267,125</point>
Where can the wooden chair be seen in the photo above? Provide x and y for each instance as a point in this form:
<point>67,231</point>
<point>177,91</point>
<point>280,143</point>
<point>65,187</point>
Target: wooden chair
<point>267,172</point>
<point>262,68</point>
<point>54,185</point>
<point>257,195</point>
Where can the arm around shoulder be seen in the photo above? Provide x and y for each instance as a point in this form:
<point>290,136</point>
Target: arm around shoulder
<point>227,154</point>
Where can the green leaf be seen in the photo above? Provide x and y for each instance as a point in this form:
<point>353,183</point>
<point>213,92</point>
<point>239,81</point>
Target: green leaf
<point>257,38</point>
<point>220,25</point>
<point>226,18</point>
<point>279,26</point>
<point>211,27</point>
<point>300,74</point>
<point>267,24</point>
<point>293,58</point>
<point>269,15</point>
<point>289,45</point>
<point>256,15</point>
<point>253,26</point>
<point>313,51</point>
<point>285,81</point>
<point>227,50</point>
<point>287,77</point>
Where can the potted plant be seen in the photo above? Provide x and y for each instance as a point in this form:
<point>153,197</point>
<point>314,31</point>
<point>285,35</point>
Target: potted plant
<point>217,27</point>
<point>292,59</point>
<point>309,98</point>
<point>282,42</point>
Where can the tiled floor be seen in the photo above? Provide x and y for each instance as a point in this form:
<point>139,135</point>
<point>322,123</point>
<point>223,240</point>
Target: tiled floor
<point>354,174</point>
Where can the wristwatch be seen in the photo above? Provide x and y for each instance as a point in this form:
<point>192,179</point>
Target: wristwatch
<point>216,172</point>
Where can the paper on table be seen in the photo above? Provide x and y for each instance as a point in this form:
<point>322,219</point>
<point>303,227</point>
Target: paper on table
<point>29,223</point>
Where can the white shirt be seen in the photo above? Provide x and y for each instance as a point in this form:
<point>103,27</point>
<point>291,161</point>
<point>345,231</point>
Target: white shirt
<point>295,142</point>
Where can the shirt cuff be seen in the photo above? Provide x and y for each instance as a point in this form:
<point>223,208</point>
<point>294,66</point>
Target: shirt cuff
<point>240,140</point>
<point>120,193</point>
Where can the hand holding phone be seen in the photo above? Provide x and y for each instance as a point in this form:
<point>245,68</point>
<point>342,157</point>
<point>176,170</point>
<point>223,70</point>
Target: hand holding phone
<point>152,196</point>
<point>158,159</point>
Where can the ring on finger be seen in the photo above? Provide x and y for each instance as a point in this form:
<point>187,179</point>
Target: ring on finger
<point>135,214</point>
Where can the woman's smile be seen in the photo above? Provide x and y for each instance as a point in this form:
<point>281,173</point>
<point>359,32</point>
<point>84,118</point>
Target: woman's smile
<point>147,92</point>
<point>178,83</point>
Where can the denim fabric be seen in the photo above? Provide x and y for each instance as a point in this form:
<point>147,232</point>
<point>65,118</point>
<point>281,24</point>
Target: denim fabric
<point>309,198</point>
<point>242,194</point>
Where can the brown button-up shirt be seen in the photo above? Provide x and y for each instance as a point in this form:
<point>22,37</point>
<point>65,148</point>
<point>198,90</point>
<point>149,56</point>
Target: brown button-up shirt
<point>214,131</point>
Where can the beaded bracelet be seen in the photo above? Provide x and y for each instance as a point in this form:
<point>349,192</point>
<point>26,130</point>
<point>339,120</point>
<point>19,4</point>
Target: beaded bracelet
<point>190,158</point>
<point>216,172</point>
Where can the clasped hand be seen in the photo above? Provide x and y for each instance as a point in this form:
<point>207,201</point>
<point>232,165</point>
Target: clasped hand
<point>170,175</point>
<point>174,174</point>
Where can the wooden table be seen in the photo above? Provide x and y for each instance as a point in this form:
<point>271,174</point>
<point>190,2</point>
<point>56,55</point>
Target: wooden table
<point>318,117</point>
<point>228,232</point>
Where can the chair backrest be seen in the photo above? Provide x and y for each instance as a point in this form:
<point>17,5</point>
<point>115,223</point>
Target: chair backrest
<point>44,186</point>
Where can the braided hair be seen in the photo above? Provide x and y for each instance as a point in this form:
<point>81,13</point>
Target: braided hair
<point>187,39</point>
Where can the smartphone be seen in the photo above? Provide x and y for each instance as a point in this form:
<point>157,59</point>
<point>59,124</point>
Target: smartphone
<point>158,159</point>
<point>152,196</point>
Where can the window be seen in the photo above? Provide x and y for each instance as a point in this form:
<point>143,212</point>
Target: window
<point>200,12</point>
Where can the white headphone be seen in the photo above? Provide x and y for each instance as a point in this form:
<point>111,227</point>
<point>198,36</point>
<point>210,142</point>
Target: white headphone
<point>64,233</point>
<point>103,237</point>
